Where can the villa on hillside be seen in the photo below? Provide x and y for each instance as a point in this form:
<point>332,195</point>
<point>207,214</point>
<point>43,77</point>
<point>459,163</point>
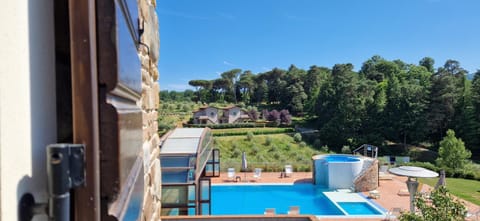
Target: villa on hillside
<point>228,115</point>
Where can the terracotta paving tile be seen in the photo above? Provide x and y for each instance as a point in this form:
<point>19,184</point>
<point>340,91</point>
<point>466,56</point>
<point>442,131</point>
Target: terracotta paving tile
<point>388,189</point>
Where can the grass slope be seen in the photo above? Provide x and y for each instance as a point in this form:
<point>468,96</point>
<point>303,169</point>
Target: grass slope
<point>466,189</point>
<point>270,152</point>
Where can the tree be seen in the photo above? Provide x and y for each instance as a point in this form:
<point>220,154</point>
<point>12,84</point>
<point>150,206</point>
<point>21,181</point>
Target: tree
<point>285,117</point>
<point>314,79</point>
<point>452,153</point>
<point>231,78</point>
<point>202,87</point>
<point>445,99</point>
<point>428,63</point>
<point>245,86</point>
<point>275,85</point>
<point>296,98</point>
<point>260,90</point>
<point>439,206</point>
<point>406,103</point>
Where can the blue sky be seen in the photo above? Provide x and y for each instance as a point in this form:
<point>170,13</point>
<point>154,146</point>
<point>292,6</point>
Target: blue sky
<point>200,39</point>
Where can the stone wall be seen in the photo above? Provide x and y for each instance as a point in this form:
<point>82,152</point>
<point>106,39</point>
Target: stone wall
<point>149,54</point>
<point>369,179</point>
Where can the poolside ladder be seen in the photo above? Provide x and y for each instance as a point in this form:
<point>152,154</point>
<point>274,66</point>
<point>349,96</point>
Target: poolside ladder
<point>367,150</point>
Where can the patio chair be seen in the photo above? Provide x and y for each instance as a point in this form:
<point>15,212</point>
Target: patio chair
<point>374,194</point>
<point>257,174</point>
<point>294,210</point>
<point>393,213</point>
<point>288,171</point>
<point>383,173</point>
<point>231,173</point>
<point>403,192</point>
<point>269,211</point>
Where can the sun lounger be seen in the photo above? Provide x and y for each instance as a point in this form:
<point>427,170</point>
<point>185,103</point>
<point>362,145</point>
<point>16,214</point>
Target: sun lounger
<point>393,213</point>
<point>383,173</point>
<point>374,194</point>
<point>231,173</point>
<point>269,211</point>
<point>288,171</point>
<point>403,192</point>
<point>257,174</point>
<point>294,210</point>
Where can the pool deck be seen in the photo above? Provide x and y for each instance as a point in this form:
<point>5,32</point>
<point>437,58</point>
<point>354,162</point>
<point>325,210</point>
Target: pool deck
<point>388,190</point>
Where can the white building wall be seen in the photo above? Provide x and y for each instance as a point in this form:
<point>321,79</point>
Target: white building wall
<point>27,101</point>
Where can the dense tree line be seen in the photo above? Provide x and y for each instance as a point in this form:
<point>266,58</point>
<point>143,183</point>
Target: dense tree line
<point>384,100</point>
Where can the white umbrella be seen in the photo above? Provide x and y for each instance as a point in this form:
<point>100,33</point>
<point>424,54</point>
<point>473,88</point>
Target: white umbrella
<point>413,171</point>
<point>412,184</point>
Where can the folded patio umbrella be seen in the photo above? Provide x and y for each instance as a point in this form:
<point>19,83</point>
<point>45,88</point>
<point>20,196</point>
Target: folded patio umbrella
<point>244,165</point>
<point>244,161</point>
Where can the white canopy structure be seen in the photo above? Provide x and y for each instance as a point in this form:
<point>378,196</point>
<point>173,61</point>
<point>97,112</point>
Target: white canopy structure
<point>412,173</point>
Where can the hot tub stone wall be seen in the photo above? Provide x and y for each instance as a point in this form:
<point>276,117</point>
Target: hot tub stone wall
<point>369,179</point>
<point>149,54</point>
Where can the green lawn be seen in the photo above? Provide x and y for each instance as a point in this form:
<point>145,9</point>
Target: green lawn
<point>466,189</point>
<point>270,152</point>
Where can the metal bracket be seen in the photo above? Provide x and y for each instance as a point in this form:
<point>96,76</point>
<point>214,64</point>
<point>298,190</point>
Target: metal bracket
<point>65,171</point>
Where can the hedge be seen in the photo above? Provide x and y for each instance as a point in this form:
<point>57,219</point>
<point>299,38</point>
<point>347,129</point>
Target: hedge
<point>257,132</point>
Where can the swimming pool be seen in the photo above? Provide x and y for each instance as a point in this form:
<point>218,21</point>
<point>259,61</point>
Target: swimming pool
<point>254,199</point>
<point>327,168</point>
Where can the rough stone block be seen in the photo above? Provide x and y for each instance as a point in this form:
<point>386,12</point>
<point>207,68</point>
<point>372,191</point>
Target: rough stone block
<point>145,62</point>
<point>154,72</point>
<point>146,78</point>
<point>155,141</point>
<point>156,179</point>
<point>148,206</point>
<point>146,134</point>
<point>150,34</point>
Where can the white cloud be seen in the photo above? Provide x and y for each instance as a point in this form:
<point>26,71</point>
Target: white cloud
<point>176,87</point>
<point>228,63</point>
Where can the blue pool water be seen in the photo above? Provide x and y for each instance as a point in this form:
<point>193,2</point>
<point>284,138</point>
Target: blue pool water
<point>358,208</point>
<point>253,199</point>
<point>341,158</point>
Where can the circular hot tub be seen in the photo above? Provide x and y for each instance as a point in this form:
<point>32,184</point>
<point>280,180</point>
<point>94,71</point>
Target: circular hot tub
<point>336,171</point>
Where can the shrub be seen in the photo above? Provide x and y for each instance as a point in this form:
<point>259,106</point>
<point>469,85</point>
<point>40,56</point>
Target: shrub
<point>236,153</point>
<point>250,136</point>
<point>268,140</point>
<point>297,137</point>
<point>440,205</point>
<point>346,150</point>
<point>285,117</point>
<point>324,149</point>
<point>273,148</point>
<point>254,149</point>
<point>303,144</point>
<point>452,152</point>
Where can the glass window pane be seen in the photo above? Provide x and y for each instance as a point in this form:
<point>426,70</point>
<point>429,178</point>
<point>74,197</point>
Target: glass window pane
<point>205,190</point>
<point>179,176</point>
<point>174,195</point>
<point>174,161</point>
<point>205,208</point>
